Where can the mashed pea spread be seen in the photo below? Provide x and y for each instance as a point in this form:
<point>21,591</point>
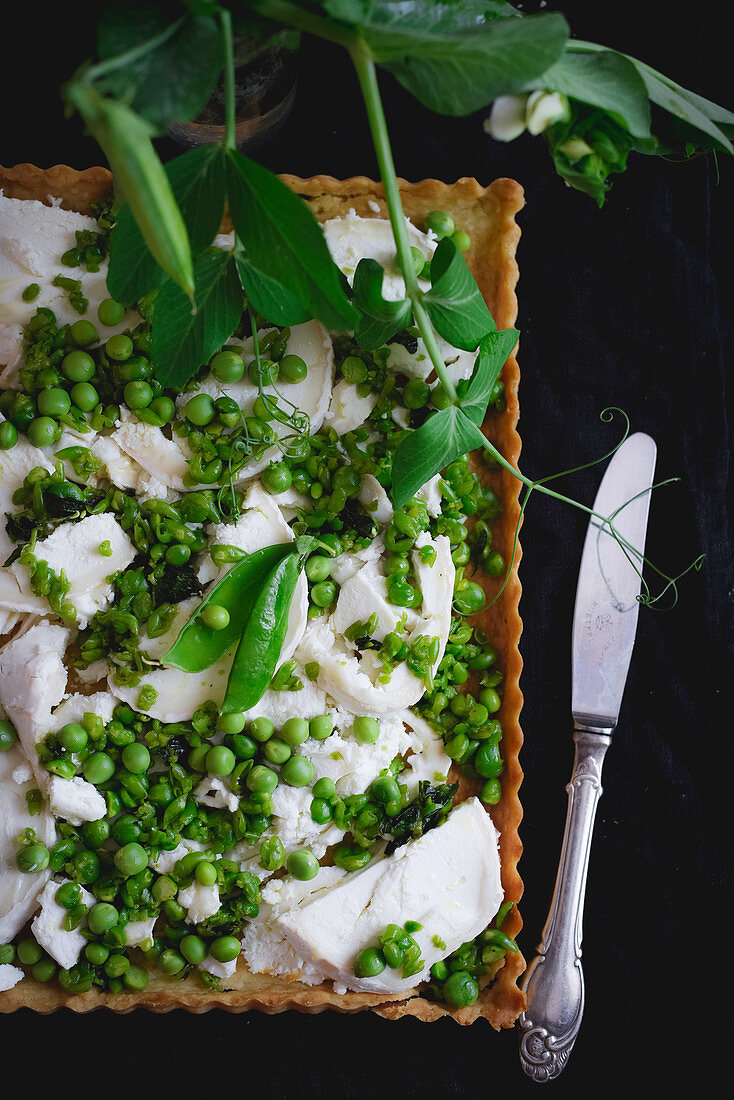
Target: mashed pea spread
<point>165,808</point>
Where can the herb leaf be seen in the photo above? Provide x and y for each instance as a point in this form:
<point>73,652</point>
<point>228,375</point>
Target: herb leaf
<point>427,450</point>
<point>183,340</point>
<point>455,303</point>
<point>494,349</point>
<point>607,80</point>
<point>169,83</point>
<point>380,320</point>
<point>268,297</point>
<point>198,182</point>
<point>282,239</point>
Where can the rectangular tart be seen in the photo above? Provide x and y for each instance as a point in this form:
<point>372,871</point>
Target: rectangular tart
<point>487,214</point>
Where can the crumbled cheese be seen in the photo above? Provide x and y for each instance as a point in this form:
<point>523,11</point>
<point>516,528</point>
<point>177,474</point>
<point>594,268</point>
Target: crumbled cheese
<point>47,926</point>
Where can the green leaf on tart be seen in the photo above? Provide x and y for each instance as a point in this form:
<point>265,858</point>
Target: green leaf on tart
<point>379,319</point>
<point>268,297</point>
<point>184,340</point>
<point>283,240</point>
<point>455,303</point>
<point>446,435</point>
<point>494,349</point>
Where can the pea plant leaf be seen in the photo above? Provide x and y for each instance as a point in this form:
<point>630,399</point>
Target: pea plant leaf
<point>455,303</point>
<point>283,240</point>
<point>268,297</point>
<point>457,58</point>
<point>494,350</point>
<point>607,80</point>
<point>184,340</point>
<point>172,80</point>
<point>379,319</point>
<point>198,182</point>
<point>443,437</point>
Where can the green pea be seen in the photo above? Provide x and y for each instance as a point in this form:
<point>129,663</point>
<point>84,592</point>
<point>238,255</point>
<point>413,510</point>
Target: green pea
<point>488,760</point>
<point>366,730</point>
<point>276,751</point>
<point>68,895</point>
<point>264,373</point>
<point>205,873</point>
<point>298,771</point>
<point>385,789</point>
<point>276,478</point>
<point>440,223</point>
<point>8,435</point>
<point>102,917</point>
<point>31,292</point>
<point>462,240</point>
<point>73,737</point>
<point>84,396</point>
<point>491,699</point>
<point>491,792</point>
<point>324,788</point>
<point>194,949</point>
<point>98,768</point>
<point>416,394</point>
<point>200,410</point>
<point>321,726</point>
<point>110,312</point>
<point>130,859</point>
<point>136,758</point>
<point>135,977</point>
<point>400,593</point>
<point>29,952</point>
<point>97,953</point>
<point>262,729</point>
<point>215,617</point>
<point>119,347</point>
<point>350,857</point>
<point>54,402</point>
<point>164,407</point>
<point>232,723</point>
<point>95,833</point>
<point>7,954</point>
<point>262,780</point>
<point>33,858</point>
<point>85,867</point>
<point>225,948</point>
<point>321,811</point>
<point>369,963</point>
<point>220,760</point>
<point>42,431</point>
<point>354,370</point>
<point>138,395</point>
<point>460,989</point>
<point>116,966</point>
<point>44,970</point>
<point>318,568</point>
<point>302,864</point>
<point>470,599</point>
<point>295,731</point>
<point>83,333</point>
<point>228,365</point>
<point>8,735</point>
<point>170,962</point>
<point>177,554</point>
<point>78,366</point>
<point>293,369</point>
<point>323,593</point>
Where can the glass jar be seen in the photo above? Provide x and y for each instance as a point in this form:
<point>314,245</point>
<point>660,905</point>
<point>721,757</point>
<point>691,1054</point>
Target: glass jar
<point>265,80</point>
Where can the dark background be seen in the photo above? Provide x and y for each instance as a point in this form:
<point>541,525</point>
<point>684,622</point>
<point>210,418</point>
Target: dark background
<point>629,306</point>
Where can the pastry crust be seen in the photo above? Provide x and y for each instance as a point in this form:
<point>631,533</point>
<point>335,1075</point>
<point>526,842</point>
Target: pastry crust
<point>488,215</point>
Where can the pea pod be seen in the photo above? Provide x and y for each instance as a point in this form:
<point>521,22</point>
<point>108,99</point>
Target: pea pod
<point>198,646</point>
<point>262,639</point>
<point>140,179</point>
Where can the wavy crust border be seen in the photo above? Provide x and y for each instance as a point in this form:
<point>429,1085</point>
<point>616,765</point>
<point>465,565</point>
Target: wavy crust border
<point>488,215</point>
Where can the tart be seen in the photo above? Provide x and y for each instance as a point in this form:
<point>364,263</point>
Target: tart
<point>345,709</point>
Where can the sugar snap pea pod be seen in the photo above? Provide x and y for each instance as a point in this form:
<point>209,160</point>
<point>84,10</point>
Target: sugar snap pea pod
<point>198,646</point>
<point>139,178</point>
<point>257,654</point>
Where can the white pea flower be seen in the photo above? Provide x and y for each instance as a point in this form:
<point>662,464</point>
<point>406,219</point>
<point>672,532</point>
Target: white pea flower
<point>543,109</point>
<point>507,117</point>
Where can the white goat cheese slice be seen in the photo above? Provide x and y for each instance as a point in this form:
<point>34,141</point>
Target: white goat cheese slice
<point>447,880</point>
<point>10,976</point>
<point>47,926</point>
<point>75,800</point>
<point>139,933</point>
<point>347,409</point>
<point>18,891</point>
<point>74,549</point>
<point>15,464</point>
<point>167,460</point>
<point>352,238</point>
<point>199,901</point>
<point>32,683</point>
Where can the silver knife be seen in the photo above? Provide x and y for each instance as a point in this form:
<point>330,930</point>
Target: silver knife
<point>604,626</point>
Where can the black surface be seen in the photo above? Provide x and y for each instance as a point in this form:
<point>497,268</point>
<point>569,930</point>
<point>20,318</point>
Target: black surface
<point>630,307</point>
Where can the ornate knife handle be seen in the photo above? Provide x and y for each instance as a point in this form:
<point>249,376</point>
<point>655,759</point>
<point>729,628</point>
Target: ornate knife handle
<point>554,982</point>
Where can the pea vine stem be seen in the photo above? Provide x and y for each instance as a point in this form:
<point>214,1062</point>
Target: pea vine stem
<point>229,97</point>
<point>367,76</point>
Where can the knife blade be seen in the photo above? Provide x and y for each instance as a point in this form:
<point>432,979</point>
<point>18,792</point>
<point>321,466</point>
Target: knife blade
<point>603,636</point>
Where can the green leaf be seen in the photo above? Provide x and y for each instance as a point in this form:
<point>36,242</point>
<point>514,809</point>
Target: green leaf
<point>171,82</point>
<point>268,297</point>
<point>494,350</point>
<point>427,450</point>
<point>198,183</point>
<point>602,79</point>
<point>184,340</point>
<point>283,240</point>
<point>455,303</point>
<point>380,320</point>
<point>453,58</point>
<point>694,111</point>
